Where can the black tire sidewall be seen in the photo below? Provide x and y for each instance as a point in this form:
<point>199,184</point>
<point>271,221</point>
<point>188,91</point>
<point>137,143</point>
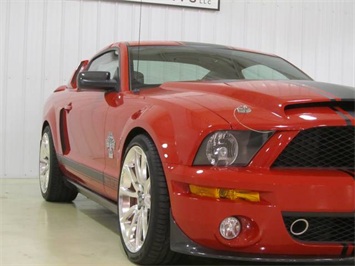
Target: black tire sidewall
<point>160,205</point>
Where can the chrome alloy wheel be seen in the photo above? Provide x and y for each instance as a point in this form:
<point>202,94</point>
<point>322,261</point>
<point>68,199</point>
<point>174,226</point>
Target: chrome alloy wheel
<point>134,199</point>
<point>44,163</point>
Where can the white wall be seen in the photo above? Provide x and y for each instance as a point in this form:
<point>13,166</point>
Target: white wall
<point>42,42</point>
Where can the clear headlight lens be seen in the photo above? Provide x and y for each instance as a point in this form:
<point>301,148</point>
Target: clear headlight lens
<point>223,148</point>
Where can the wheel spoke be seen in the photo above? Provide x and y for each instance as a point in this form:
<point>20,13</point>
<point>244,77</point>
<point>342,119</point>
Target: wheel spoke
<point>144,222</point>
<point>46,150</point>
<point>139,228</point>
<point>147,196</point>
<point>42,169</point>
<point>146,187</point>
<point>137,165</point>
<point>45,182</point>
<point>133,225</point>
<point>132,177</point>
<point>142,178</point>
<point>128,214</point>
<point>128,193</point>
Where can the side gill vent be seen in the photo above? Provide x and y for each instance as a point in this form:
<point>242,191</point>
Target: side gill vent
<point>64,131</point>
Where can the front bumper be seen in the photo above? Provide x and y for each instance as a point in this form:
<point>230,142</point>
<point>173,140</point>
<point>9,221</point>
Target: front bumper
<point>196,219</point>
<point>180,243</point>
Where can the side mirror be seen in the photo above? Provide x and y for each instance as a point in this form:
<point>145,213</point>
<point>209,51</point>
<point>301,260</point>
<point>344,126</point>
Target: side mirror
<point>73,81</point>
<point>96,80</point>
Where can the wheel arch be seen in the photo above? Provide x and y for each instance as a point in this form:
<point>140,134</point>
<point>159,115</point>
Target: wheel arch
<point>155,137</point>
<point>133,133</point>
<point>51,121</point>
<point>44,125</point>
<point>136,131</point>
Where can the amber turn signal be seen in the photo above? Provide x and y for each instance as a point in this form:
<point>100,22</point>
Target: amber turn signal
<point>221,193</point>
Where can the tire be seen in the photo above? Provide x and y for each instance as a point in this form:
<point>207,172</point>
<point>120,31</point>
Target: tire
<point>51,180</point>
<point>144,205</point>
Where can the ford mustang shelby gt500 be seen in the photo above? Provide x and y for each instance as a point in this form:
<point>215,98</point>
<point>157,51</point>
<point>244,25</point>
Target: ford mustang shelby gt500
<point>206,150</point>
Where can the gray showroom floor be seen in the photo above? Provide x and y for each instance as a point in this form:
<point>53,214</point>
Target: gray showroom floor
<point>36,232</point>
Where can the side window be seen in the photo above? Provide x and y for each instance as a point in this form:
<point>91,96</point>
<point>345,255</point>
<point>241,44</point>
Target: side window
<point>107,62</point>
<point>157,72</point>
<point>262,72</point>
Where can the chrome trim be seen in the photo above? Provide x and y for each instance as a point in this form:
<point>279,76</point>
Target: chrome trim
<point>299,222</point>
<point>243,109</point>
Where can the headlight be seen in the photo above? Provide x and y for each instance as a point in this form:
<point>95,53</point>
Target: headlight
<point>225,148</point>
<point>222,148</point>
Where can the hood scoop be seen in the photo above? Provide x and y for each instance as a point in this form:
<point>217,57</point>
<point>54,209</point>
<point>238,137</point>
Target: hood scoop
<point>345,105</point>
<point>271,104</point>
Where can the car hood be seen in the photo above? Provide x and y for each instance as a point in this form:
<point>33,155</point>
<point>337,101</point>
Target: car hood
<point>269,104</point>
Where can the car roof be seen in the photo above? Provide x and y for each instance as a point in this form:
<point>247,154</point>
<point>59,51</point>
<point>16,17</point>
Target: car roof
<point>182,43</point>
<point>175,43</point>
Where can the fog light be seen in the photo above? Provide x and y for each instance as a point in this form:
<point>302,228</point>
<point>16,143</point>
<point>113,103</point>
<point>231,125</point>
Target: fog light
<point>230,228</point>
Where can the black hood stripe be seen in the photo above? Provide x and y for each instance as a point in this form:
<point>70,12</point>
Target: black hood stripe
<point>331,91</point>
<point>334,93</point>
<point>347,120</point>
<point>352,113</point>
<point>347,113</point>
<point>344,250</point>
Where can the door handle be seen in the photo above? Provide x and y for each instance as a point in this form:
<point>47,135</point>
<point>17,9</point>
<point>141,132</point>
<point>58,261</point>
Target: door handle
<point>68,107</point>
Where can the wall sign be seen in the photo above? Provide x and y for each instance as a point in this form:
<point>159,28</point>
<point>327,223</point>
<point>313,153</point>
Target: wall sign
<point>203,4</point>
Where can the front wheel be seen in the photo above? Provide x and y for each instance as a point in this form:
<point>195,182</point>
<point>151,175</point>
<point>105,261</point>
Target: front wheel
<point>144,205</point>
<point>53,187</point>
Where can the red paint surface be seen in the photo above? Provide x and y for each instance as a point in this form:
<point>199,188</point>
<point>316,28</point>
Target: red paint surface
<point>178,116</point>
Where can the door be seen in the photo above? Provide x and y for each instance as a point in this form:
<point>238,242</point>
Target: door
<point>86,111</point>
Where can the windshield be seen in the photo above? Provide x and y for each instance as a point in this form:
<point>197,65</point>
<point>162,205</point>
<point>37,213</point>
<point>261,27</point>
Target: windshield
<point>159,64</point>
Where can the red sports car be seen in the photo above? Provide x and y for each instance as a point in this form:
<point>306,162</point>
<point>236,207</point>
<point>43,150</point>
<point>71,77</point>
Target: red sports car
<point>206,150</point>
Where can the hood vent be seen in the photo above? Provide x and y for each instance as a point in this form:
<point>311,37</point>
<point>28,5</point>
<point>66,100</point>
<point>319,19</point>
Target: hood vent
<point>346,105</point>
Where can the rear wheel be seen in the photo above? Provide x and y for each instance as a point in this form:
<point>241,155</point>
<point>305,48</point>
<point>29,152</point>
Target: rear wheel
<point>144,205</point>
<point>52,184</point>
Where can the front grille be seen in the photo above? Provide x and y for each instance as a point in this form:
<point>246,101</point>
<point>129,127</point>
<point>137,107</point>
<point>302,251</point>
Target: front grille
<point>321,228</point>
<point>322,147</point>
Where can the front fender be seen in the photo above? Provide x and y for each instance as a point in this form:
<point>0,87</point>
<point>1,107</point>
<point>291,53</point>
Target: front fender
<point>51,115</point>
<point>177,131</point>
